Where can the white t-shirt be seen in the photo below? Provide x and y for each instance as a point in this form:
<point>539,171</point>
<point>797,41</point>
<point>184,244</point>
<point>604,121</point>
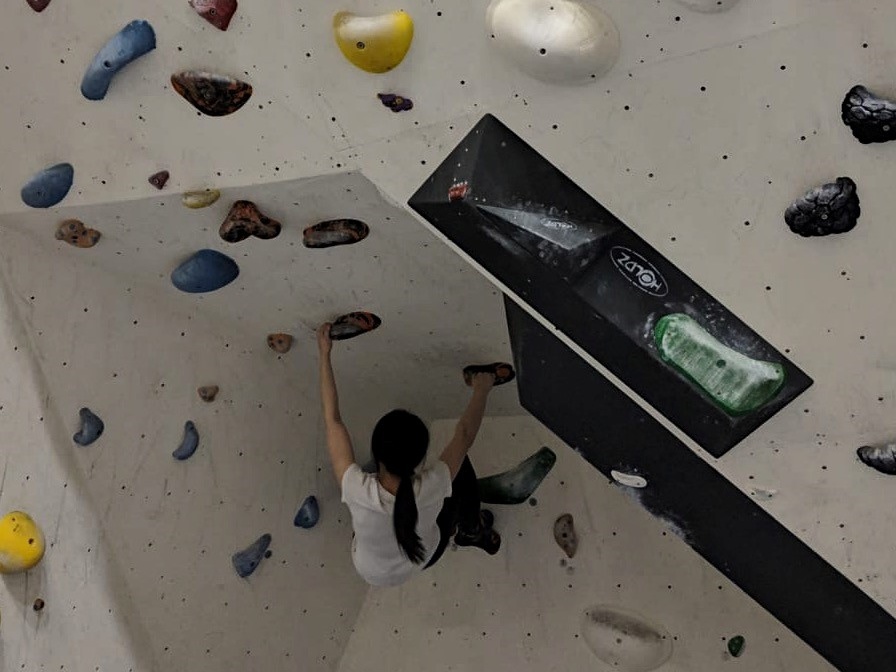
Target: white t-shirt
<point>375,551</point>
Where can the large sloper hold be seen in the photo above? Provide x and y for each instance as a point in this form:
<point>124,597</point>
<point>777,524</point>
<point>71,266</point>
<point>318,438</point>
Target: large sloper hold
<point>625,640</point>
<point>211,94</point>
<point>205,271</point>
<point>216,12</point>
<point>374,44</point>
<point>882,458</point>
<point>869,117</point>
<point>737,383</point>
<point>830,208</point>
<point>247,560</point>
<point>245,220</point>
<point>92,428</point>
<point>516,485</point>
<point>22,543</point>
<point>49,186</point>
<point>127,45</point>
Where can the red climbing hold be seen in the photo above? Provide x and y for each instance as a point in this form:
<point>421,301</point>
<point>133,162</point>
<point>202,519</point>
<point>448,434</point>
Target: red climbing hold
<point>216,12</point>
<point>244,220</point>
<point>38,5</point>
<point>353,324</point>
<point>335,232</point>
<point>160,179</point>
<point>459,191</point>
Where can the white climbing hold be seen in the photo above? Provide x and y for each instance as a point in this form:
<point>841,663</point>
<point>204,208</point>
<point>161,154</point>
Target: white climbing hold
<point>630,480</point>
<point>556,41</point>
<point>708,5</point>
<point>762,494</point>
<point>624,639</point>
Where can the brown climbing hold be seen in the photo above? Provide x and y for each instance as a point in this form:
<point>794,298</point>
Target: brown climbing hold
<point>73,232</point>
<point>244,220</point>
<point>335,232</point>
<point>208,392</point>
<point>160,179</point>
<point>565,535</point>
<point>280,342</point>
<point>38,5</point>
<point>216,12</point>
<point>353,324</point>
<point>211,94</point>
<point>38,604</point>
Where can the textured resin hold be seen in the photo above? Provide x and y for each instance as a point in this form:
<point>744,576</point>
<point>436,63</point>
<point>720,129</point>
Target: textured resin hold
<point>211,94</point>
<point>127,45</point>
<point>517,485</point>
<point>335,232</point>
<point>735,382</point>
<point>830,208</point>
<point>869,117</point>
<point>245,220</point>
<point>49,186</point>
<point>882,458</point>
<point>73,232</point>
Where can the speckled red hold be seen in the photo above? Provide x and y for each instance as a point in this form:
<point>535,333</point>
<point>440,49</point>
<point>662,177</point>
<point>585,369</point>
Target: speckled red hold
<point>38,5</point>
<point>458,191</point>
<point>216,12</point>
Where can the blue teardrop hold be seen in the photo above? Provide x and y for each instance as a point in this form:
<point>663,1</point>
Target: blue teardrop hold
<point>49,186</point>
<point>308,514</point>
<point>205,271</point>
<point>246,561</point>
<point>127,45</point>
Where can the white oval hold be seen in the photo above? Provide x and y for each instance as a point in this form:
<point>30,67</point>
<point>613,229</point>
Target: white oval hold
<point>556,41</point>
<point>630,480</point>
<point>625,640</point>
<point>708,5</point>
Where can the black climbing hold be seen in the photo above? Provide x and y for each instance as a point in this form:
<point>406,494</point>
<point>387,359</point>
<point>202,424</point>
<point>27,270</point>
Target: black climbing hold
<point>205,271</point>
<point>736,645</point>
<point>353,324</point>
<point>160,179</point>
<point>38,604</point>
<point>189,443</point>
<point>830,208</point>
<point>91,428</point>
<point>882,458</point>
<point>869,117</point>
<point>246,561</point>
<point>308,514</point>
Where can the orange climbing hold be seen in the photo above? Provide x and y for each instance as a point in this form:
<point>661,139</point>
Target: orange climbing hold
<point>73,232</point>
<point>280,342</point>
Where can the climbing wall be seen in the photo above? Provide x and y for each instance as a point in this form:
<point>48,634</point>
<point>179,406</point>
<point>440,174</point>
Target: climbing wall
<point>696,128</point>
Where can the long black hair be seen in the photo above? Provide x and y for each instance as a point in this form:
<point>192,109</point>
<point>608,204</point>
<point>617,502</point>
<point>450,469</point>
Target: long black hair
<point>399,443</point>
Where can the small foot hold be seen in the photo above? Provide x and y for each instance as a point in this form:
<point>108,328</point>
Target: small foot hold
<point>869,117</point>
<point>335,232</point>
<point>736,383</point>
<point>127,45</point>
<point>353,324</point>
<point>22,543</point>
<point>38,605</point>
<point>375,44</point>
<point>882,458</point>
<point>205,271</point>
<point>38,5</point>
<point>73,232</point>
<point>244,220</point>
<point>308,514</point>
<point>458,191</point>
<point>516,485</point>
<point>628,480</point>
<point>280,342</point>
<point>49,186</point>
<point>189,444</point>
<point>216,12</point>
<point>565,535</point>
<point>246,561</point>
<point>160,179</point>
<point>200,199</point>
<point>830,208</point>
<point>736,645</point>
<point>503,372</point>
<point>211,94</point>
<point>91,428</point>
<point>208,393</point>
<point>395,102</point>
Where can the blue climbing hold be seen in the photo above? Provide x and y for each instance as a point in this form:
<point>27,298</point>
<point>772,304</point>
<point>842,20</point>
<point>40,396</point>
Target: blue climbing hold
<point>91,428</point>
<point>309,513</point>
<point>205,271</point>
<point>246,561</point>
<point>130,43</point>
<point>189,444</point>
<point>49,186</point>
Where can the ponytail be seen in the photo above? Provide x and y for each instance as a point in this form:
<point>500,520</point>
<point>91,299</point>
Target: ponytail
<point>404,520</point>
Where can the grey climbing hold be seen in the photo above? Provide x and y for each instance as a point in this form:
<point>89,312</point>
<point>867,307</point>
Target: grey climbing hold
<point>830,208</point>
<point>628,480</point>
<point>516,485</point>
<point>49,186</point>
<point>625,640</point>
<point>882,458</point>
<point>188,444</point>
<point>308,514</point>
<point>565,535</point>
<point>205,271</point>
<point>869,117</point>
<point>246,561</point>
<point>91,428</point>
<point>208,393</point>
<point>127,45</point>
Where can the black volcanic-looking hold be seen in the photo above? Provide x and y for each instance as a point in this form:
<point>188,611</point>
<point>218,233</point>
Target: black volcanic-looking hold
<point>830,208</point>
<point>882,458</point>
<point>871,119</point>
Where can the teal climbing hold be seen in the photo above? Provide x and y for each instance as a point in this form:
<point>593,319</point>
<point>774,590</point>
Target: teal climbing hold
<point>736,645</point>
<point>516,485</point>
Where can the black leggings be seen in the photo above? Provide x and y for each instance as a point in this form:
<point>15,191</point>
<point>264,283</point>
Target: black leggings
<point>461,509</point>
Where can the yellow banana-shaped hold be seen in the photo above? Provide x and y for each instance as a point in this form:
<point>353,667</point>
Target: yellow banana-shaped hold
<point>374,43</point>
<point>21,543</point>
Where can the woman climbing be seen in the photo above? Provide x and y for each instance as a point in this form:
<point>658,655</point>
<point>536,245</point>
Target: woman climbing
<point>405,514</point>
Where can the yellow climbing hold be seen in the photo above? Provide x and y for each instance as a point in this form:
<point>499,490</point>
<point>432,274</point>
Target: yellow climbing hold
<point>21,543</point>
<point>200,199</point>
<point>374,43</point>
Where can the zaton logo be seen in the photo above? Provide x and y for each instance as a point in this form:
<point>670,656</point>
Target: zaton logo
<point>640,272</point>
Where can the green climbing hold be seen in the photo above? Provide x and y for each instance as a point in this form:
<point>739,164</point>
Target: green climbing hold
<point>736,646</point>
<point>734,381</point>
<point>516,485</point>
